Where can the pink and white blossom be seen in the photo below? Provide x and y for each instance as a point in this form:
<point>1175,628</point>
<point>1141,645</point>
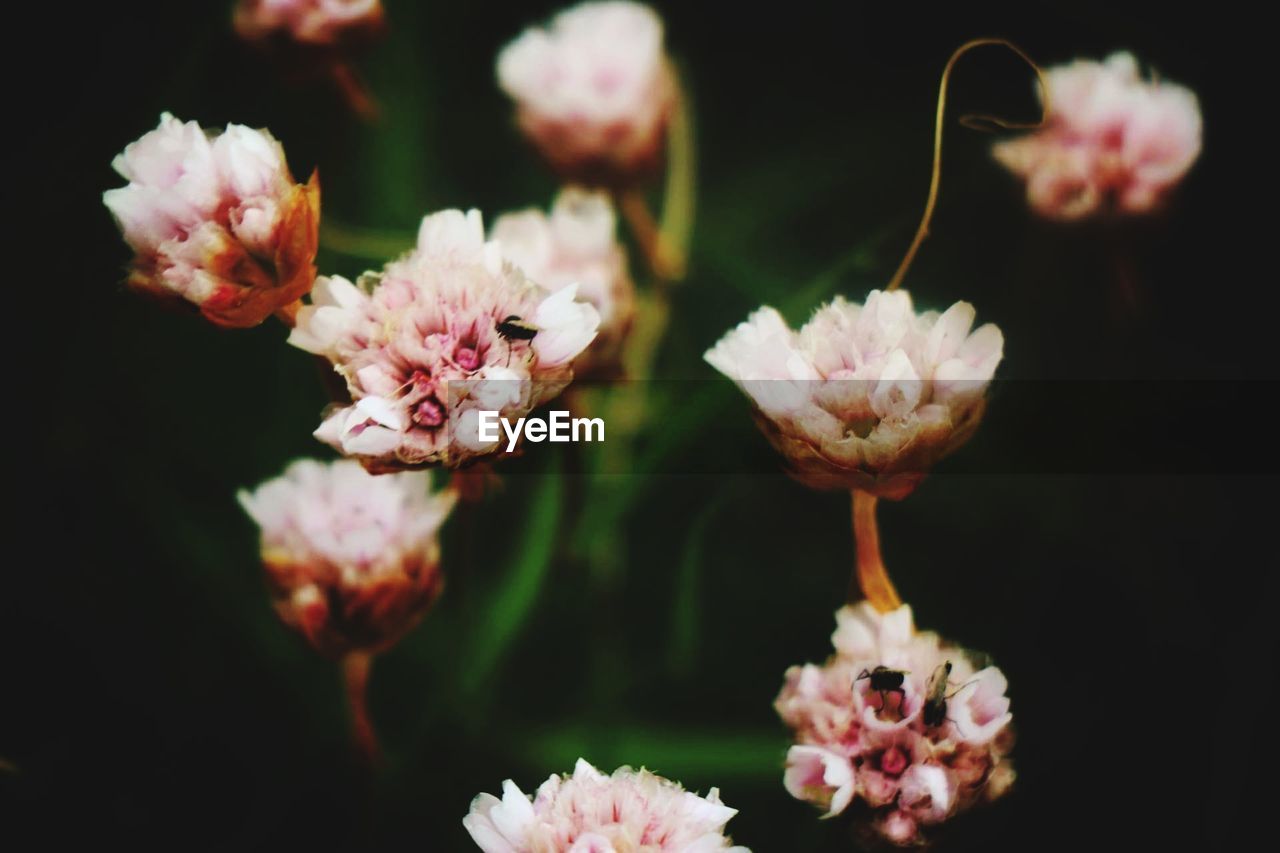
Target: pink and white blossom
<point>1112,142</point>
<point>352,560</point>
<point>308,22</point>
<point>856,745</point>
<point>589,812</point>
<point>864,396</point>
<point>420,348</point>
<point>576,244</point>
<point>593,90</point>
<point>216,220</point>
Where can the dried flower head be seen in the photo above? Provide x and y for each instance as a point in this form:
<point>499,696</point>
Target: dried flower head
<point>576,244</point>
<point>589,812</point>
<point>864,396</point>
<point>898,728</point>
<point>352,560</point>
<point>320,23</point>
<point>216,220</point>
<point>422,347</point>
<point>593,91</point>
<point>1113,142</point>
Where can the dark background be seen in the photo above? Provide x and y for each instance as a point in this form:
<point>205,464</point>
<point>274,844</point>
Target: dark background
<point>149,696</point>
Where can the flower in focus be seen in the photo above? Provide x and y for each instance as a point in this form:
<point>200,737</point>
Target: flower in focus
<point>864,396</point>
<point>906,758</point>
<point>593,91</point>
<point>422,348</point>
<point>217,220</point>
<point>352,560</point>
<point>1112,141</point>
<point>589,812</point>
<point>576,244</point>
<point>321,23</point>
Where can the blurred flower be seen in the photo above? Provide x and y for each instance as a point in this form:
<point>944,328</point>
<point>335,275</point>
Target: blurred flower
<point>905,767</point>
<point>422,347</point>
<point>864,396</point>
<point>593,91</point>
<point>576,244</point>
<point>589,812</point>
<point>216,220</point>
<point>1112,141</point>
<point>308,22</point>
<point>352,560</point>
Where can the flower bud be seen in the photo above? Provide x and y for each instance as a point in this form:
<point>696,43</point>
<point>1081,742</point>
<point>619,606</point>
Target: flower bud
<point>594,91</point>
<point>352,560</point>
<point>217,220</point>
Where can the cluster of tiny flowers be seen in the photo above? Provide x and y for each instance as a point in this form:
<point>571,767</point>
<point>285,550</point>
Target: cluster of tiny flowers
<point>422,349</point>
<point>352,560</point>
<point>902,759</point>
<point>593,91</point>
<point>576,244</point>
<point>320,23</point>
<point>864,396</point>
<point>588,812</point>
<point>1113,142</point>
<point>216,220</point>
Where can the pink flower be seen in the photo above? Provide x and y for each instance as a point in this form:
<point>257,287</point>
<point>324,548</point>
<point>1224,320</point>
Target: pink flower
<point>576,244</point>
<point>308,22</point>
<point>913,753</point>
<point>864,396</point>
<point>352,560</point>
<point>216,220</point>
<point>422,348</point>
<point>589,812</point>
<point>1112,142</point>
<point>593,91</point>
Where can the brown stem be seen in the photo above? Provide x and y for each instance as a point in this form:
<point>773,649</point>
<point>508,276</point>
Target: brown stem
<point>968,121</point>
<point>355,672</point>
<point>870,577</point>
<point>354,92</point>
<point>635,210</point>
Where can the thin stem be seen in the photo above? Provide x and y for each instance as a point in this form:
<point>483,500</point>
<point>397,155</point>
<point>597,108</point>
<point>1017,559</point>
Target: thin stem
<point>680,192</point>
<point>870,575</point>
<point>978,121</point>
<point>635,210</point>
<point>354,92</point>
<point>355,672</point>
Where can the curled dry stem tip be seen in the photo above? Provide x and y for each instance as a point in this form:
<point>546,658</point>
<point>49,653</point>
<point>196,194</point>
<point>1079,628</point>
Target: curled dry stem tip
<point>977,122</point>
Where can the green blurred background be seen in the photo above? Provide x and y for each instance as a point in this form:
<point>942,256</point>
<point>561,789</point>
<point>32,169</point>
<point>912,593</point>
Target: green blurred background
<point>150,695</point>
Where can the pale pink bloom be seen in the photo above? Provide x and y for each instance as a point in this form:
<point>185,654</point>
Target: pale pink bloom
<point>864,396</point>
<point>1113,142</point>
<point>589,812</point>
<point>216,220</point>
<point>420,348</point>
<point>593,91</point>
<point>310,22</point>
<point>576,244</point>
<point>352,560</point>
<point>908,769</point>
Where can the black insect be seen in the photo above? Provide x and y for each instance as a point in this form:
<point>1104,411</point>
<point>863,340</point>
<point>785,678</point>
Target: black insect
<point>515,329</point>
<point>935,699</point>
<point>885,680</point>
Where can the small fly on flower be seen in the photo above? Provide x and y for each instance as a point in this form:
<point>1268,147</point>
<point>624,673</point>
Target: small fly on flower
<point>885,680</point>
<point>936,696</point>
<point>515,329</point>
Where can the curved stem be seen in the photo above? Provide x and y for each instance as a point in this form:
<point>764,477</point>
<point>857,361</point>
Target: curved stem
<point>355,673</point>
<point>968,121</point>
<point>634,208</point>
<point>870,575</point>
